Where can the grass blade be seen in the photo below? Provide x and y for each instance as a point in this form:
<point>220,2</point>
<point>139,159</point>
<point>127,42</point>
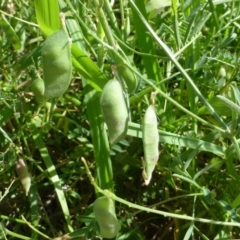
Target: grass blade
<point>9,31</point>
<point>184,73</point>
<point>51,170</point>
<point>145,44</point>
<point>47,13</point>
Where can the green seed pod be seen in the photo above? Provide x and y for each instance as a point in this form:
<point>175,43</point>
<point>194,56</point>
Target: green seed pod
<point>23,174</point>
<point>104,211</point>
<point>37,87</point>
<point>114,111</point>
<point>57,64</point>
<point>150,143</point>
<point>222,72</point>
<point>128,77</point>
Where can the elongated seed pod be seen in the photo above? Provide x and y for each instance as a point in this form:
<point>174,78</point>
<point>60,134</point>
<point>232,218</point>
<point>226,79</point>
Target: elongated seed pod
<point>150,143</point>
<point>114,110</point>
<point>125,73</point>
<point>23,174</point>
<point>37,87</point>
<point>57,64</point>
<point>128,77</point>
<point>229,103</point>
<point>104,211</point>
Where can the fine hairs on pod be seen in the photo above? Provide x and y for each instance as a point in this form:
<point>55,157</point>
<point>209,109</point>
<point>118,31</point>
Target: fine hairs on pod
<point>56,62</point>
<point>104,211</point>
<point>114,109</point>
<point>150,142</point>
<point>23,175</point>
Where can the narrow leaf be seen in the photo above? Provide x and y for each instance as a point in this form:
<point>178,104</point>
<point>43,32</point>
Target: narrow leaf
<point>10,33</point>
<point>47,13</point>
<point>229,103</point>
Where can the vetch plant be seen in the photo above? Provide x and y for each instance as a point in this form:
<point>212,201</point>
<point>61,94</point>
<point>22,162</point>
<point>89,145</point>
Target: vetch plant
<point>171,54</point>
<point>37,87</point>
<point>125,74</point>
<point>104,211</point>
<point>24,175</point>
<point>57,63</point>
<point>150,142</point>
<point>114,110</point>
<point>128,77</point>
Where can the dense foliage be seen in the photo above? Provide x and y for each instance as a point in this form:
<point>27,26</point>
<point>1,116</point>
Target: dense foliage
<point>187,53</point>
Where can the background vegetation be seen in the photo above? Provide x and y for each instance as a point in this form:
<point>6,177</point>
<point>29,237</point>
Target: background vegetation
<point>186,51</point>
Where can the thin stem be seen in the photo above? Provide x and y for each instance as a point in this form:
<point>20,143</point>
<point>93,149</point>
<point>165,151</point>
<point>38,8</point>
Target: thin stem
<point>34,229</point>
<point>147,209</point>
<point>105,26</point>
<point>19,19</point>
<point>111,16</point>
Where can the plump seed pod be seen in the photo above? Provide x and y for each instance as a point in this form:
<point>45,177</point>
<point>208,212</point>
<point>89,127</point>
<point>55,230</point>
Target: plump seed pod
<point>128,77</point>
<point>150,143</point>
<point>114,111</point>
<point>222,72</point>
<point>37,87</point>
<point>57,64</point>
<point>23,174</point>
<point>104,211</point>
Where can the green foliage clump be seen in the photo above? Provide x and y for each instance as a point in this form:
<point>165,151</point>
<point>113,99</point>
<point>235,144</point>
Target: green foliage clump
<point>187,52</point>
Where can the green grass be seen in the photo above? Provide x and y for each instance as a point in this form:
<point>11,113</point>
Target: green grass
<point>188,53</point>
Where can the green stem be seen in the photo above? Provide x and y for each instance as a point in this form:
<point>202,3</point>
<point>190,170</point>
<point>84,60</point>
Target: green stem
<point>16,235</point>
<point>112,18</point>
<point>5,194</point>
<point>147,209</point>
<point>34,229</point>
<point>19,19</point>
<point>105,26</point>
<point>12,219</point>
<point>172,199</point>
